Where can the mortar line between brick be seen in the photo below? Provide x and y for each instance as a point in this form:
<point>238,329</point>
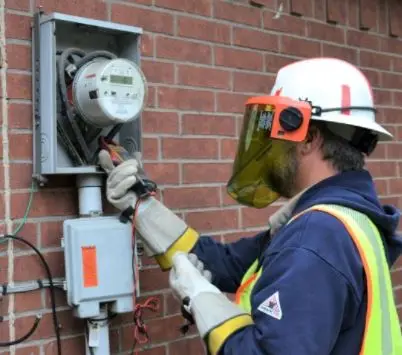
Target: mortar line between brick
<point>6,169</point>
<point>109,11</point>
<point>17,12</point>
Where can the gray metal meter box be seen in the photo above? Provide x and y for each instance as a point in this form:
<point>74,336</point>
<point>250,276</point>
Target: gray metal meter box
<point>53,35</point>
<point>98,259</point>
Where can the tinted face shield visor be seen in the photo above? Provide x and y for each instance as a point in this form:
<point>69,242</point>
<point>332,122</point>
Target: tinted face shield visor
<point>271,125</point>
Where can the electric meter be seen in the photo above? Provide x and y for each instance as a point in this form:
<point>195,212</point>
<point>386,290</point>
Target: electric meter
<point>109,92</point>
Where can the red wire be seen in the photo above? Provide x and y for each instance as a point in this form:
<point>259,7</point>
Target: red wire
<point>151,303</point>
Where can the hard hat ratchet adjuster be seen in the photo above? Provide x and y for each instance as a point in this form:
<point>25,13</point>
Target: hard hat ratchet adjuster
<point>363,140</point>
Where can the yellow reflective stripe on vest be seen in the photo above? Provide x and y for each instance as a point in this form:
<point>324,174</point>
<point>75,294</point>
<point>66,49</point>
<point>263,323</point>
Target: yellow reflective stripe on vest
<point>382,335</point>
<point>243,294</point>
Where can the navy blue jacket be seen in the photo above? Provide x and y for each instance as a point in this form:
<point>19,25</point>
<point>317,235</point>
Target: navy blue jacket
<point>314,265</point>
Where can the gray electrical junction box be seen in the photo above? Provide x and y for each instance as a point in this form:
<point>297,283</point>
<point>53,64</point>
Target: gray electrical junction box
<point>98,261</point>
<point>52,34</point>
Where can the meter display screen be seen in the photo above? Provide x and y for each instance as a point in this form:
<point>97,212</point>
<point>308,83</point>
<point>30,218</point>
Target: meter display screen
<point>120,79</point>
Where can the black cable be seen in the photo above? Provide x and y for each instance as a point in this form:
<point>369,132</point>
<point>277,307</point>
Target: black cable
<point>93,55</point>
<point>66,131</point>
<point>74,128</point>
<point>107,318</point>
<point>51,287</point>
<point>24,337</point>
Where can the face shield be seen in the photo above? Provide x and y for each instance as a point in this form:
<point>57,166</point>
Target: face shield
<point>271,126</point>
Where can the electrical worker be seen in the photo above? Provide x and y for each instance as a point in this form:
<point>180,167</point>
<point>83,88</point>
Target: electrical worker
<point>317,281</point>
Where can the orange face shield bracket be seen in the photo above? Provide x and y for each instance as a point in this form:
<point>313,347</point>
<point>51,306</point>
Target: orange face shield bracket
<point>287,119</point>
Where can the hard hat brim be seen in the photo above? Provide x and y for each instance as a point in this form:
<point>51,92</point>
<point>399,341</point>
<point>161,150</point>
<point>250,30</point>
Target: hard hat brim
<point>383,134</point>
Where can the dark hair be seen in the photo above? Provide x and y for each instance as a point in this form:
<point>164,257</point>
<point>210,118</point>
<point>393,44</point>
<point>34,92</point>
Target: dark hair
<point>337,150</point>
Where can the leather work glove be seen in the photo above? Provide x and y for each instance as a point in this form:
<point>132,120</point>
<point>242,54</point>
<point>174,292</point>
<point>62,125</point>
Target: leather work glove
<point>162,231</point>
<point>120,179</point>
<point>215,316</point>
<point>199,265</point>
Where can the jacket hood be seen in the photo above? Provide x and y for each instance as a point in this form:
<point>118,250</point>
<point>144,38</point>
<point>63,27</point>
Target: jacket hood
<point>356,189</point>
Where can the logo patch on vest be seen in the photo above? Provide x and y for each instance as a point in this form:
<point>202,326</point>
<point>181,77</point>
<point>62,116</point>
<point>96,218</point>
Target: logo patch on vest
<point>272,306</point>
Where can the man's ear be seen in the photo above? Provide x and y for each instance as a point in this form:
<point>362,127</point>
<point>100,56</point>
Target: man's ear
<point>312,142</point>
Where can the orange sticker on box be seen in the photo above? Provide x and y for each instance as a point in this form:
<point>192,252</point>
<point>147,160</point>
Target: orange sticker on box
<point>89,266</point>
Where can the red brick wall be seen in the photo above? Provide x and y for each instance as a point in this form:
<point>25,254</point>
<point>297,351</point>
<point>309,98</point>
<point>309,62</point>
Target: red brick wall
<point>202,58</point>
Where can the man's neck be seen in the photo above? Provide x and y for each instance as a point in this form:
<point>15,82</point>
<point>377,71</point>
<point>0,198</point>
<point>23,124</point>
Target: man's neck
<point>311,175</point>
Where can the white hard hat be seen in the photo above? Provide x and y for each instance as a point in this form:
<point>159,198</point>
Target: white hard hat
<point>332,84</point>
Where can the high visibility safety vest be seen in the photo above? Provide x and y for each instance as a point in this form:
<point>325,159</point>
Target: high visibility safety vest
<point>382,334</point>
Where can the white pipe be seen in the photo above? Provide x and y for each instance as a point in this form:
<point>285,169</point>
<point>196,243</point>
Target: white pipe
<point>98,335</point>
<point>90,195</point>
<point>90,205</point>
